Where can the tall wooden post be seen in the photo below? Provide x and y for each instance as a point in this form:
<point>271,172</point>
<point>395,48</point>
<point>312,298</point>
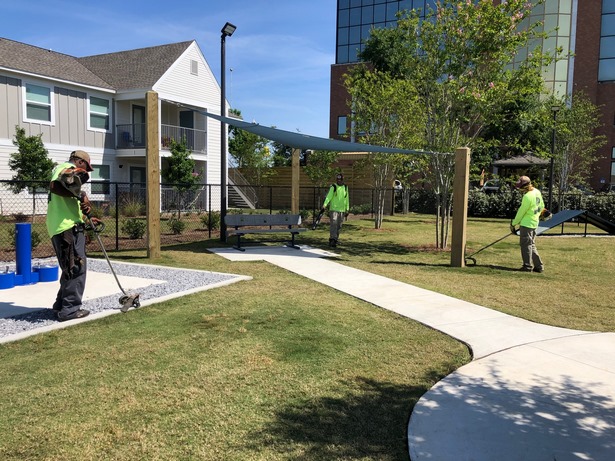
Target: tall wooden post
<point>461,187</point>
<point>294,192</point>
<point>152,153</point>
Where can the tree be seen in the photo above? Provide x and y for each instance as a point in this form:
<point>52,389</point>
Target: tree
<point>31,162</point>
<point>282,154</point>
<point>385,114</point>
<point>251,153</point>
<point>459,61</point>
<point>181,171</point>
<point>576,143</point>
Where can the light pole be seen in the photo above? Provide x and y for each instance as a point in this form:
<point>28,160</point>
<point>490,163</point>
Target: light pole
<point>554,109</point>
<point>227,31</point>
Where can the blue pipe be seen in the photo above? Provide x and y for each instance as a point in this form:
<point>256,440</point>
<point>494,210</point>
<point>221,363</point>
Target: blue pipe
<point>23,248</point>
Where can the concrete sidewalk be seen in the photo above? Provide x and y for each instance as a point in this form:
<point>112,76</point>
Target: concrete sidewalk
<point>532,391</point>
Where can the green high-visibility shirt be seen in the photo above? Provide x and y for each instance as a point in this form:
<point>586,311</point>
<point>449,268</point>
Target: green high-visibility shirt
<point>528,213</point>
<point>62,212</point>
<point>337,198</point>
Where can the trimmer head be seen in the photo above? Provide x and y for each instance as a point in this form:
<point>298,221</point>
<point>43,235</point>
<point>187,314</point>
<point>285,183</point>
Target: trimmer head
<point>128,301</point>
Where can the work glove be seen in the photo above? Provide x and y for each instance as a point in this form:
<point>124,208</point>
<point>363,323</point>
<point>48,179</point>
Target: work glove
<point>513,229</point>
<point>545,215</point>
<point>322,210</point>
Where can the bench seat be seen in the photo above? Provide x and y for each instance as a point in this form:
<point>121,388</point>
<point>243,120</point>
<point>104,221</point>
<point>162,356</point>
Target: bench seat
<point>241,224</point>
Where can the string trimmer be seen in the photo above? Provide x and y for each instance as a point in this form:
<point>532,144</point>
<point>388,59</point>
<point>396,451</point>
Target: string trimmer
<point>126,300</point>
<point>513,231</point>
<point>71,182</point>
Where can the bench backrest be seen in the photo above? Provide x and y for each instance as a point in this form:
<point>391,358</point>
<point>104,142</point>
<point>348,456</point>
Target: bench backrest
<point>233,220</point>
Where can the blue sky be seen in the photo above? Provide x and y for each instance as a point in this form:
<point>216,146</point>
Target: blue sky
<point>281,52</point>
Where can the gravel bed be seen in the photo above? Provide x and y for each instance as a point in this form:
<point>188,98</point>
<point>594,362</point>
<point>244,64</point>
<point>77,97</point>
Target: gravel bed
<point>178,280</point>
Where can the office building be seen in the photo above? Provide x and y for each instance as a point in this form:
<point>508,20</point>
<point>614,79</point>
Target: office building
<point>586,28</point>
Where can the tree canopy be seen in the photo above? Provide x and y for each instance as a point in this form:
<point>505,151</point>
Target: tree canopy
<point>31,162</point>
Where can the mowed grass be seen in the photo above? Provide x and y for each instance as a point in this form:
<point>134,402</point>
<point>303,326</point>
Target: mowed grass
<point>280,367</point>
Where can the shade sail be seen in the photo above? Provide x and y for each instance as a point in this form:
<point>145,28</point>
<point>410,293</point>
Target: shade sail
<point>304,141</point>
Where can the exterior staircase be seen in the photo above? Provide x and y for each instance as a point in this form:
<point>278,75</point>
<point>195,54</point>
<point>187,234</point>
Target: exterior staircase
<point>240,193</point>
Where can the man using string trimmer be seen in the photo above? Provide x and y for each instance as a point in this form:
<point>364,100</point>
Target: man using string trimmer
<point>66,226</point>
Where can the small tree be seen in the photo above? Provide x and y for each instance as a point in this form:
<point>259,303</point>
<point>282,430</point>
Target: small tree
<point>459,61</point>
<point>181,171</point>
<point>386,113</point>
<point>31,162</point>
<point>576,142</point>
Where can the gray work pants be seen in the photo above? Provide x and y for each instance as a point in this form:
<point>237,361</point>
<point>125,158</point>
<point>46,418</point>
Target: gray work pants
<point>70,251</point>
<point>529,253</point>
<point>336,219</point>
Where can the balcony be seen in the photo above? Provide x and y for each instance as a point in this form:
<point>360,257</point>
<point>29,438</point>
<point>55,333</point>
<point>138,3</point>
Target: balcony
<point>133,137</point>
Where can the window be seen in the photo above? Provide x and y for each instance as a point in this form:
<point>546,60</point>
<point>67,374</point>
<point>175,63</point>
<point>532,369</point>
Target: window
<point>100,179</point>
<point>194,67</point>
<point>38,100</point>
<point>341,124</point>
<point>99,113</point>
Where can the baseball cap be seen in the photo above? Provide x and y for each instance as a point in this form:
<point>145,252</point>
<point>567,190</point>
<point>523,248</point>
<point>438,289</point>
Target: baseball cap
<point>523,182</point>
<point>83,155</point>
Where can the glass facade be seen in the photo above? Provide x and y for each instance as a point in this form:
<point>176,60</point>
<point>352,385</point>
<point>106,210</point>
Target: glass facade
<point>606,66</point>
<point>355,19</point>
<point>557,17</point>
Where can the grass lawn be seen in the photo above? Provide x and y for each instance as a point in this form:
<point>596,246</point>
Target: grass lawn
<point>280,367</point>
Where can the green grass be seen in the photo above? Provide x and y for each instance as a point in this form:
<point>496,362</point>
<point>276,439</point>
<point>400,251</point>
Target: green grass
<point>280,367</point>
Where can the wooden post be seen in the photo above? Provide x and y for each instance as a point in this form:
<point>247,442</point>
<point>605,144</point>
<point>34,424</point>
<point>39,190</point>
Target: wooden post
<point>294,194</point>
<point>461,187</point>
<point>152,160</point>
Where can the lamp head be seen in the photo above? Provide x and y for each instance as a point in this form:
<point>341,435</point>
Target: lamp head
<point>228,29</point>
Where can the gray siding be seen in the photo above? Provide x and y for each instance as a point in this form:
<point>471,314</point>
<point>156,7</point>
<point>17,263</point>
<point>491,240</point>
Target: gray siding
<point>10,109</point>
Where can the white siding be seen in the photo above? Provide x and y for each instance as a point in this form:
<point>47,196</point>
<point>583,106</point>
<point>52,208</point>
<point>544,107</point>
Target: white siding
<point>202,90</point>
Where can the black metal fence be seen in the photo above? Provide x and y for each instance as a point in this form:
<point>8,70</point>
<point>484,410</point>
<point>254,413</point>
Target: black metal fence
<point>193,214</point>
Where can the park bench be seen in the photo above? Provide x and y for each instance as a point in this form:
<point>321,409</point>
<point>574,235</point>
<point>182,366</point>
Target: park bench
<point>242,224</point>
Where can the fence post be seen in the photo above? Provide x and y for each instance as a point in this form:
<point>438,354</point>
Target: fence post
<point>153,174</point>
<point>117,219</point>
<point>460,206</point>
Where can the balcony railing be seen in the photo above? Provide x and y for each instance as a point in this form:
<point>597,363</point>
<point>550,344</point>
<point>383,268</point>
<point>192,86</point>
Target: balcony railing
<point>132,136</point>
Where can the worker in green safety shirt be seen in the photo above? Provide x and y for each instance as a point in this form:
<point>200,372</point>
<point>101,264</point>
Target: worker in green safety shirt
<point>338,203</point>
<point>527,218</point>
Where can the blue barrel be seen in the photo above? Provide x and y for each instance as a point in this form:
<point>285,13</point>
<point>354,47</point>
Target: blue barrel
<point>23,249</point>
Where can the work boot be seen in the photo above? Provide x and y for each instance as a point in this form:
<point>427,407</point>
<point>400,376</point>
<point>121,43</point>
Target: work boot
<point>75,315</point>
<point>525,269</point>
<point>331,242</point>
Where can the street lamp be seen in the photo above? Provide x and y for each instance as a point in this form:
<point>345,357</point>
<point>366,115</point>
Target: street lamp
<point>227,31</point>
<point>554,109</point>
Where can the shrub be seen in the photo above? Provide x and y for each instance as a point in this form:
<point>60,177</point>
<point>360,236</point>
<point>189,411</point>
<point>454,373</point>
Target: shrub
<point>305,214</point>
<point>132,207</point>
<point>364,208</point>
<point>35,238</point>
<point>134,228</point>
<point>176,225</point>
<point>211,220</point>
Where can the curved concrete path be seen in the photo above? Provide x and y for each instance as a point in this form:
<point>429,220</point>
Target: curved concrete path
<point>532,391</point>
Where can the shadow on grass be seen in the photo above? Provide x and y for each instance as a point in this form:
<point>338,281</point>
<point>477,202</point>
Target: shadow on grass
<point>368,421</point>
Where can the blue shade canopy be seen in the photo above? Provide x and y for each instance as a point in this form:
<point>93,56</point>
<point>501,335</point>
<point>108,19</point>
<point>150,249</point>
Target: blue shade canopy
<point>304,141</point>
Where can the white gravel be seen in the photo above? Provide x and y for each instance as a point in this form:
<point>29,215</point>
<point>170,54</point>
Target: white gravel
<point>178,281</point>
